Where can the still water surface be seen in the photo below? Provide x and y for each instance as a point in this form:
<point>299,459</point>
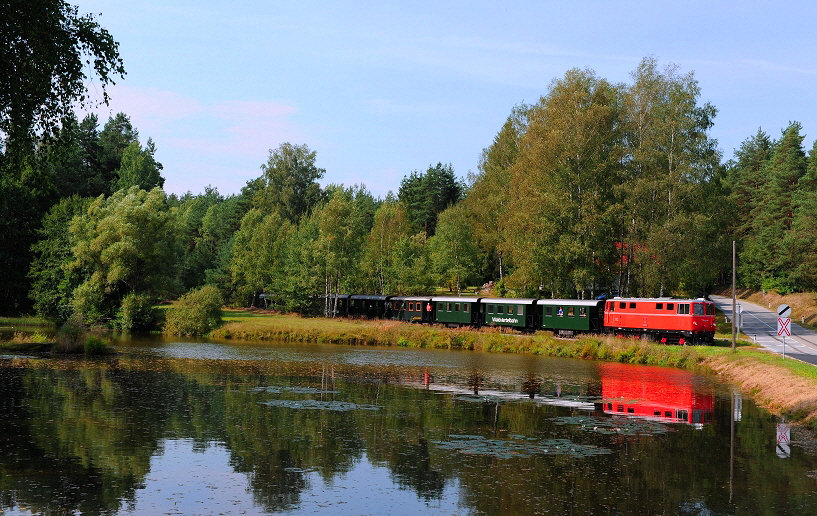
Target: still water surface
<point>212,428</point>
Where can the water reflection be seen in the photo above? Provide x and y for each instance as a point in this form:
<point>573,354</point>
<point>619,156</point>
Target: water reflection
<point>662,394</point>
<point>183,428</point>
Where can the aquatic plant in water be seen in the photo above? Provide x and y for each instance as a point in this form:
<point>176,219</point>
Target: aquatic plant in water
<point>518,446</point>
<point>295,390</point>
<point>340,406</point>
<point>613,425</point>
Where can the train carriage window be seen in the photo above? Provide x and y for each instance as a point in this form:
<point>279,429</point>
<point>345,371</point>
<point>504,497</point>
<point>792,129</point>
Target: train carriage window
<point>448,307</point>
<point>440,307</point>
<point>656,413</point>
<point>659,306</point>
<point>582,311</point>
<point>632,305</point>
<point>520,310</point>
<point>411,306</point>
<point>630,410</point>
<point>670,306</point>
<point>456,307</point>
<point>683,308</point>
<point>499,309</point>
<point>698,309</point>
<point>682,415</point>
<point>571,312</point>
<point>667,413</point>
<point>466,307</point>
<point>490,309</point>
<point>560,312</point>
<point>548,311</point>
<point>510,309</point>
<point>622,305</point>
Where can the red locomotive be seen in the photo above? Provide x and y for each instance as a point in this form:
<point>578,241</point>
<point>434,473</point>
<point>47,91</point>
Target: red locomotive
<point>663,320</point>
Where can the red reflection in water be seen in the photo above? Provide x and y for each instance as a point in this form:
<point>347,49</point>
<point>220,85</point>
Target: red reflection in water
<point>668,395</point>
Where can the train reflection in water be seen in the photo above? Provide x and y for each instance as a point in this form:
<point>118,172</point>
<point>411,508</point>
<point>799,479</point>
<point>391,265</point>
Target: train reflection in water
<point>656,393</point>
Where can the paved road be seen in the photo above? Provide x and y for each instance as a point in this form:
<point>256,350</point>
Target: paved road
<point>760,323</point>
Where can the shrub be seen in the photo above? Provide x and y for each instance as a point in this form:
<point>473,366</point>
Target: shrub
<point>95,345</point>
<point>136,313</point>
<point>70,337</point>
<point>195,313</point>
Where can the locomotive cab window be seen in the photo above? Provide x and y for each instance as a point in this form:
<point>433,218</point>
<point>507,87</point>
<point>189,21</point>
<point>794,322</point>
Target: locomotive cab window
<point>659,306</point>
<point>670,306</point>
<point>710,309</point>
<point>622,305</point>
<point>698,309</point>
<point>683,308</point>
<point>611,306</point>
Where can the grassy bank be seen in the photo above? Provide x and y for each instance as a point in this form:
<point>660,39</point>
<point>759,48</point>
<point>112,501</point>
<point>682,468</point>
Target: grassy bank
<point>784,386</point>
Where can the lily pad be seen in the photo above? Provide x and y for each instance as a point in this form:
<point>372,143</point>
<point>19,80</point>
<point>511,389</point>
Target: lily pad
<point>518,447</point>
<point>338,406</point>
<point>295,390</point>
<point>614,425</point>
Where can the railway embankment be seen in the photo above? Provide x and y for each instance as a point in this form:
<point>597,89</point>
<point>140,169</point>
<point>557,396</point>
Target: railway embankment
<point>784,386</point>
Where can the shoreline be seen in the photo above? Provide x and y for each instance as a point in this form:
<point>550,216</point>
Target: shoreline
<point>784,386</point>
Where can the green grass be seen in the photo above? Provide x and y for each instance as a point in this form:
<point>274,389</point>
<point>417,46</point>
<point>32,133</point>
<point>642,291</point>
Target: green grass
<point>28,320</point>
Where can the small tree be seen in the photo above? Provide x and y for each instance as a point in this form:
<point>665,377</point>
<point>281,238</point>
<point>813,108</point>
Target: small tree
<point>196,313</point>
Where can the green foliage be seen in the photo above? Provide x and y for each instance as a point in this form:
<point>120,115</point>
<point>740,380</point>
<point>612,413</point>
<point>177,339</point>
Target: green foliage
<point>289,182</point>
<point>136,313</point>
<point>53,281</point>
<point>124,245</point>
<point>96,345</point>
<point>426,195</point>
<point>196,313</point>
<point>45,45</point>
<point>139,168</point>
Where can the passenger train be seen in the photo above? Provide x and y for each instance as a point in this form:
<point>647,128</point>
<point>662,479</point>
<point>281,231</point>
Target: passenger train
<point>657,319</point>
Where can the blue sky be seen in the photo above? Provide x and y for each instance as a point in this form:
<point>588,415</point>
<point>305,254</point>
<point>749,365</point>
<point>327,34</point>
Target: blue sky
<point>380,89</point>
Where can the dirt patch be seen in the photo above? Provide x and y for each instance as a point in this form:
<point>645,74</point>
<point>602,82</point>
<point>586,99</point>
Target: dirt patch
<point>775,388</point>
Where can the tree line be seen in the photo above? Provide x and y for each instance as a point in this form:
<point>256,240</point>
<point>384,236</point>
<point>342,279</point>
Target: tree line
<point>597,188</point>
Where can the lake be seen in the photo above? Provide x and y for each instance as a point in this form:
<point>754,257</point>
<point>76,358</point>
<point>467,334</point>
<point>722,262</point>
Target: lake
<point>200,427</point>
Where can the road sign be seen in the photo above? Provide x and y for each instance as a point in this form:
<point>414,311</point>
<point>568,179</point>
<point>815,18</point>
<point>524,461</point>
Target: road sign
<point>784,311</point>
<point>783,327</point>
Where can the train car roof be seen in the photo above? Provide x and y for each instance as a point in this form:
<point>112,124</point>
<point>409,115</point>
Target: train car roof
<point>573,302</point>
<point>369,298</point>
<point>410,298</point>
<point>507,300</point>
<point>454,299</point>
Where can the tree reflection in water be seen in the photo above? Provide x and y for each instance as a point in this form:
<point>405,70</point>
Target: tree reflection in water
<point>81,437</point>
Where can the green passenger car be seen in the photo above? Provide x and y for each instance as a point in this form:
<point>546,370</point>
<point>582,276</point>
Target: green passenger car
<point>569,316</point>
<point>456,311</point>
<point>516,313</point>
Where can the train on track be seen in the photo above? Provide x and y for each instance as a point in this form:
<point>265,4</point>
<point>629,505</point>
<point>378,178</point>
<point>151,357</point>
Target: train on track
<point>656,319</point>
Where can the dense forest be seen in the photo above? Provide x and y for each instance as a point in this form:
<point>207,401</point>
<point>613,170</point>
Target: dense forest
<point>597,188</point>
